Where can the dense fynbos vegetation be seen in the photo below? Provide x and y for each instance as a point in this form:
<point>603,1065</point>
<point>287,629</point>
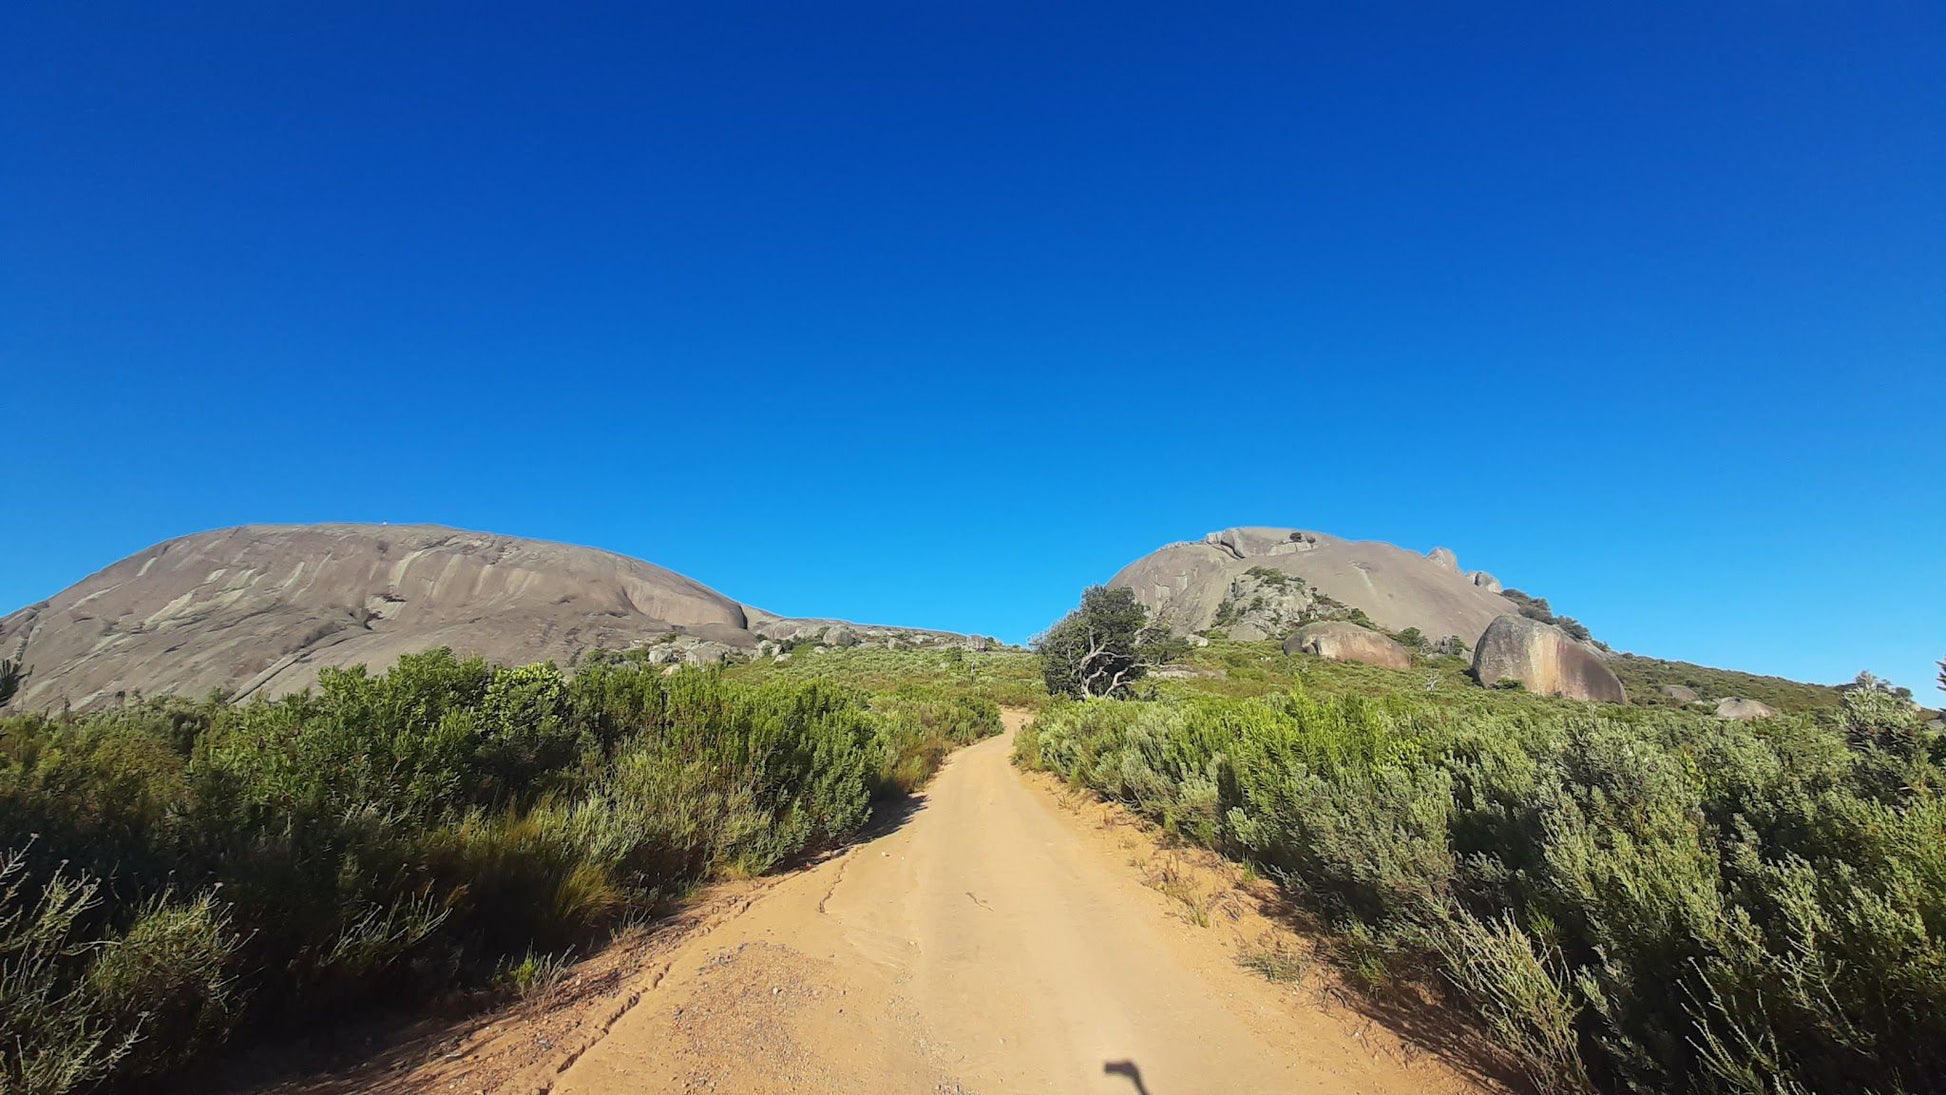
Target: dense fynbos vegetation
<point>1010,677</point>
<point>1627,899</point>
<point>175,870</point>
<point>1649,679</point>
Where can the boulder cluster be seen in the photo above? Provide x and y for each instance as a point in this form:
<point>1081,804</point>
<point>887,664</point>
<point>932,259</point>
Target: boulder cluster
<point>1542,658</point>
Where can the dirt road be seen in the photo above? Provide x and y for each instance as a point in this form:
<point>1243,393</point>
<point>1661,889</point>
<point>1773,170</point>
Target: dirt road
<point>994,943</point>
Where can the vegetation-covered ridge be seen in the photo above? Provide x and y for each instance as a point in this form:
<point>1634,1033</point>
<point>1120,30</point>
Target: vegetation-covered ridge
<point>177,871</point>
<point>1627,899</point>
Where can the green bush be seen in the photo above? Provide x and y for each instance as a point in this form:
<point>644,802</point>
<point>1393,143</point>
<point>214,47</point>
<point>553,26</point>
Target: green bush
<point>1629,899</point>
<point>443,824</point>
<point>167,979</point>
<point>56,1038</point>
<point>1097,649</point>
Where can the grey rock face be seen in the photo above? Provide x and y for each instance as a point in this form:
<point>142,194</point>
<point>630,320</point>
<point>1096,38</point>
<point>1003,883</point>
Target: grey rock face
<point>259,610</point>
<point>1184,584</point>
<point>1485,581</point>
<point>1347,642</point>
<point>1545,659</point>
<point>1731,707</point>
<point>1681,692</point>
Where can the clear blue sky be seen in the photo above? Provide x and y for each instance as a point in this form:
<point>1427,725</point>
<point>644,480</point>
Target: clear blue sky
<point>933,314</point>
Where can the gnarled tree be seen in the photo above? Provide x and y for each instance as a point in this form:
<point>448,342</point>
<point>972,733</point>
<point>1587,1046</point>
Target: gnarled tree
<point>1102,647</point>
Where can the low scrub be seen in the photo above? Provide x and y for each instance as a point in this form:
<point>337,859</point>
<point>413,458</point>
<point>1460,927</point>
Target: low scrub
<point>1628,899</point>
<point>1008,677</point>
<point>194,869</point>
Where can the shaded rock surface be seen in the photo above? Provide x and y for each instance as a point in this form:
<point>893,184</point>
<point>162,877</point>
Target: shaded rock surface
<point>1545,660</point>
<point>1347,642</point>
<point>1732,707</point>
<point>260,609</point>
<point>1681,692</point>
<point>1185,585</point>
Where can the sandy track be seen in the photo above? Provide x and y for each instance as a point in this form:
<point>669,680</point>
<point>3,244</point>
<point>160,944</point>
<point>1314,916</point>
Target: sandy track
<point>993,943</point>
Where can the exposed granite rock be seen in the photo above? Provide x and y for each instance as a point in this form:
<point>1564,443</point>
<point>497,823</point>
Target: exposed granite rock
<point>1184,585</point>
<point>1731,707</point>
<point>259,610</point>
<point>1347,642</point>
<point>1544,659</point>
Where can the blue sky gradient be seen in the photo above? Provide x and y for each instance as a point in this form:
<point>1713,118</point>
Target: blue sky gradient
<point>932,315</point>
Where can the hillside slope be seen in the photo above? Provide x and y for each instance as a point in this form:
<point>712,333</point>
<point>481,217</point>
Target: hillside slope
<point>1188,584</point>
<point>260,609</point>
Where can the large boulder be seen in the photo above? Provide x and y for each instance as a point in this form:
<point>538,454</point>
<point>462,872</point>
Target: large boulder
<point>1732,707</point>
<point>1347,642</point>
<point>1681,693</point>
<point>1544,659</point>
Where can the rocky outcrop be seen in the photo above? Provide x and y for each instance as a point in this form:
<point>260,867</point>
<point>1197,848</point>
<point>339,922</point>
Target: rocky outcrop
<point>1265,604</point>
<point>1731,707</point>
<point>1681,693</point>
<point>1545,660</point>
<point>1186,585</point>
<point>1347,642</point>
<point>259,610</point>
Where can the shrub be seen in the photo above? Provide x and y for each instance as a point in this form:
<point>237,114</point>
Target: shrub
<point>1520,995</point>
<point>1098,649</point>
<point>167,979</point>
<point>56,1039</point>
<point>1628,900</point>
<point>444,823</point>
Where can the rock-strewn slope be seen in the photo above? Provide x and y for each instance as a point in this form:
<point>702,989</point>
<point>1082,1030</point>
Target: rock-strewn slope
<point>258,610</point>
<point>1227,579</point>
